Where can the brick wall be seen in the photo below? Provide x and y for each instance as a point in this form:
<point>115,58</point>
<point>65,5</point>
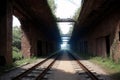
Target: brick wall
<point>108,28</point>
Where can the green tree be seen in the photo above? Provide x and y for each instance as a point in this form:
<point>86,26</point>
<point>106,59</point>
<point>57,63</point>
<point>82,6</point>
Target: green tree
<point>52,5</point>
<point>16,43</point>
<point>16,37</point>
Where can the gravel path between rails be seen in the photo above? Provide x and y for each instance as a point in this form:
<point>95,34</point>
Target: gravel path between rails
<point>65,70</point>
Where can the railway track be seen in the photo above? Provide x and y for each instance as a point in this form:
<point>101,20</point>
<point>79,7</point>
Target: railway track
<point>86,70</point>
<point>38,72</point>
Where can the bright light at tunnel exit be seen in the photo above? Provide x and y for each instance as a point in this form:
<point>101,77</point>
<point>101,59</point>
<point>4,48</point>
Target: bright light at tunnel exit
<point>64,46</point>
<point>65,27</point>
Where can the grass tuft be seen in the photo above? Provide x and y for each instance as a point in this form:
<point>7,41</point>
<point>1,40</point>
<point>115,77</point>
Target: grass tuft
<point>108,65</point>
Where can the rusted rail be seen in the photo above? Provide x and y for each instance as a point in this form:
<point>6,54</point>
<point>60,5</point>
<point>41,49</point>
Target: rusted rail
<point>87,71</point>
<point>20,76</point>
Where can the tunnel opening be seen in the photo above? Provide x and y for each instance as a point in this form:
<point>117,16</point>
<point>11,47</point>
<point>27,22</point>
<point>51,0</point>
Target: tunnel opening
<point>65,46</point>
<point>65,29</point>
<point>16,39</point>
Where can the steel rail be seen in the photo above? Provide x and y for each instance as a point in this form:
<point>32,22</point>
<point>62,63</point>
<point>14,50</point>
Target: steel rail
<point>18,77</point>
<point>47,69</point>
<point>88,72</point>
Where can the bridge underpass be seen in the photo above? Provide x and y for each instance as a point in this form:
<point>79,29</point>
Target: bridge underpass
<point>96,31</point>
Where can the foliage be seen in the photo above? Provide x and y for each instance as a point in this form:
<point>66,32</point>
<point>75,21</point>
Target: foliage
<point>16,54</point>
<point>112,68</point>
<point>109,65</point>
<point>27,60</point>
<point>16,43</point>
<point>52,5</point>
<point>16,37</point>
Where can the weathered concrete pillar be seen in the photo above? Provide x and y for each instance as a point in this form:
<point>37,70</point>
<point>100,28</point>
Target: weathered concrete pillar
<point>33,40</point>
<point>25,39</point>
<point>5,32</point>
<point>31,45</point>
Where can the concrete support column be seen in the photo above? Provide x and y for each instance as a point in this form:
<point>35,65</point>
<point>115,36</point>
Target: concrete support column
<point>29,42</point>
<point>5,32</point>
<point>25,39</point>
<point>33,39</point>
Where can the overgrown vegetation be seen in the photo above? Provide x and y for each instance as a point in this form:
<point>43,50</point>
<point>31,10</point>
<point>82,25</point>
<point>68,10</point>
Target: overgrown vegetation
<point>18,59</point>
<point>16,37</point>
<point>109,65</point>
<point>106,63</point>
<point>16,43</point>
